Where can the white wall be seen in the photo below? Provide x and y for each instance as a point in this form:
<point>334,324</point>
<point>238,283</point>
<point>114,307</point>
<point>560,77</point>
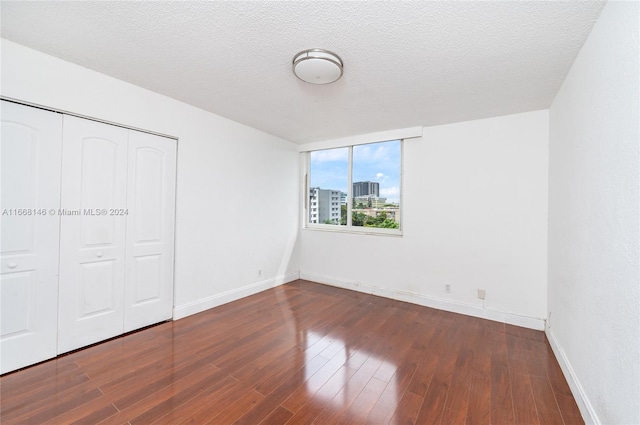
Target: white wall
<point>474,216</point>
<point>594,271</point>
<point>236,189</point>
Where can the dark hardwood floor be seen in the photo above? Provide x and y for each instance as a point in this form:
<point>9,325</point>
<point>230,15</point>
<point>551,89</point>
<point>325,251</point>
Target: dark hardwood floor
<point>302,353</point>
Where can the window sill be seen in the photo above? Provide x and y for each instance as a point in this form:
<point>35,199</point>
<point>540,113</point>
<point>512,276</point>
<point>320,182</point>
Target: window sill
<point>354,230</point>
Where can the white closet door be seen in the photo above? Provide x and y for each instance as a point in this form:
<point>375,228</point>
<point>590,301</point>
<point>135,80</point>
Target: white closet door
<point>30,152</point>
<point>150,224</point>
<point>92,237</point>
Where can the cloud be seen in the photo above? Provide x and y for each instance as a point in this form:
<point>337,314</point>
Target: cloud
<point>381,177</point>
<point>390,192</point>
<point>327,155</point>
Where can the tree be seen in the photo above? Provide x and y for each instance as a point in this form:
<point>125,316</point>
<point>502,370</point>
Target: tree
<point>381,221</point>
<point>389,224</point>
<point>363,220</point>
<point>358,218</point>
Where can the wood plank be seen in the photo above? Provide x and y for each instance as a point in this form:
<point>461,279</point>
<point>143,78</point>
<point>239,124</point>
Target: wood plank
<point>314,383</point>
<point>458,397</point>
<point>524,405</point>
<point>350,391</point>
<point>125,397</point>
<point>152,405</point>
<point>278,417</point>
<point>407,409</point>
<point>223,405</point>
<point>434,400</point>
<point>386,406</point>
<point>89,413</point>
<point>48,410</point>
<point>50,388</point>
<point>439,388</point>
<point>322,398</point>
<point>479,410</point>
<point>273,381</point>
<point>243,404</point>
<point>569,410</point>
<point>453,417</point>
<point>548,410</point>
<point>23,383</point>
<point>501,401</point>
<point>361,407</point>
<point>188,409</point>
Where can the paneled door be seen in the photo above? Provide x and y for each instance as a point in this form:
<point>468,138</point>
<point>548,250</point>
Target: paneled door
<point>92,237</point>
<point>30,158</point>
<point>150,223</point>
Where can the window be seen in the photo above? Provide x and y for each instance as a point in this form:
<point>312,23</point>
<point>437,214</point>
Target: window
<point>355,188</point>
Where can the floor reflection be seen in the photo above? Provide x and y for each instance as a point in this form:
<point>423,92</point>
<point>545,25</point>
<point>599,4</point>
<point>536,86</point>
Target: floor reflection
<point>342,376</point>
<point>347,374</point>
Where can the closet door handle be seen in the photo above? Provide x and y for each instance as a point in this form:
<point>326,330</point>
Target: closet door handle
<point>12,265</point>
<point>99,254</point>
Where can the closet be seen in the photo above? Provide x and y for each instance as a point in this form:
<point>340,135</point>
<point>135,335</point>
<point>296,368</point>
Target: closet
<point>30,164</point>
<point>88,254</point>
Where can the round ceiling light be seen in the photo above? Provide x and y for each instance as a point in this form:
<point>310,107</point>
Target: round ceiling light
<point>317,66</point>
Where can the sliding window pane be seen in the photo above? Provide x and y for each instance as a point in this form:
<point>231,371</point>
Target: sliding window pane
<point>376,185</point>
<point>328,180</point>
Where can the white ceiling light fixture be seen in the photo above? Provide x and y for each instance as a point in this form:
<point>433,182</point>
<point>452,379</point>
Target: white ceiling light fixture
<point>317,66</point>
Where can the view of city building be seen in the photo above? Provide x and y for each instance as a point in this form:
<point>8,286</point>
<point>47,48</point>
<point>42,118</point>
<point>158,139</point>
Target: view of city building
<point>329,206</point>
<point>371,199</point>
<point>324,206</point>
<point>365,189</point>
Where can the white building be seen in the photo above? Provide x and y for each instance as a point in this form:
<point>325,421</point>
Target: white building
<point>324,204</point>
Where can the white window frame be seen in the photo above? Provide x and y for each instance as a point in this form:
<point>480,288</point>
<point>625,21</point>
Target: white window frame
<point>349,228</point>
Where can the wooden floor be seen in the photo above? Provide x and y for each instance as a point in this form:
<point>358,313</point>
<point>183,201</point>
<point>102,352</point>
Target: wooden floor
<point>299,354</point>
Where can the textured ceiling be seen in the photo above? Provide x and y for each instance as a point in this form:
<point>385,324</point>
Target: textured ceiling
<point>406,63</point>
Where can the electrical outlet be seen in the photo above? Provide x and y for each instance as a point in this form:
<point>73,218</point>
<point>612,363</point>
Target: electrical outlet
<point>482,294</point>
<point>447,288</point>
<point>259,272</point>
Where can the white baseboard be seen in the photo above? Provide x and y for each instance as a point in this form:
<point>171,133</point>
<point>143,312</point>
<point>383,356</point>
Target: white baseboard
<point>198,306</point>
<point>424,300</point>
<point>586,409</point>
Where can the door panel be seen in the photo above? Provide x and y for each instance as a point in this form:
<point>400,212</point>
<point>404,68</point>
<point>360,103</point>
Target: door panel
<point>92,245</point>
<point>150,230</point>
<point>19,288</point>
<point>30,156</point>
<point>98,288</point>
<point>147,276</point>
<point>100,188</point>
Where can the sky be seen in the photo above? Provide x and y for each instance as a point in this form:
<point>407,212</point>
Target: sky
<point>376,162</point>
